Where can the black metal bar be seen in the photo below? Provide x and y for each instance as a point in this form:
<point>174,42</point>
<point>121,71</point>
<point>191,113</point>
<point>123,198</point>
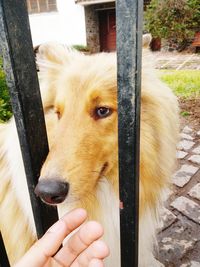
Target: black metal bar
<point>4,262</point>
<point>129,42</point>
<point>17,49</point>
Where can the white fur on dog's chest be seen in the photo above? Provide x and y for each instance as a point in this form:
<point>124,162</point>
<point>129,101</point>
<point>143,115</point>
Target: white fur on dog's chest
<point>108,216</point>
<point>109,204</point>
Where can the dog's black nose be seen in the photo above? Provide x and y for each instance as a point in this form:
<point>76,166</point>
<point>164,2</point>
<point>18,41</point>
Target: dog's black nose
<point>52,191</point>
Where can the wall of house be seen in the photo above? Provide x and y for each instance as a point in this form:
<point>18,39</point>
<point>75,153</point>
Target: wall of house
<point>92,25</point>
<point>65,26</point>
<point>92,21</point>
<point>92,28</point>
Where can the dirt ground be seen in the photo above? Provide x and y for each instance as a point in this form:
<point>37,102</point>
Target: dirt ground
<point>192,106</point>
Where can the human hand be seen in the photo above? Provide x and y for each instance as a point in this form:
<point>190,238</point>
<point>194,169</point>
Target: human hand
<point>83,249</point>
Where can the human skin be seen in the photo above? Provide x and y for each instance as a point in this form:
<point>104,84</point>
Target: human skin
<point>84,248</point>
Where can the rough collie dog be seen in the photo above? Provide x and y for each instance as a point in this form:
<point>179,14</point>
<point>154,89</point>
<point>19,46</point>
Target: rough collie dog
<point>79,95</point>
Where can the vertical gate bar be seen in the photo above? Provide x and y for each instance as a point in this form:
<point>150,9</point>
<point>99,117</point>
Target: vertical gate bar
<point>21,75</point>
<point>4,262</point>
<point>129,42</point>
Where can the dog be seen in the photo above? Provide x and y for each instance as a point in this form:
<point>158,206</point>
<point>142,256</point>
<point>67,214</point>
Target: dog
<point>79,94</point>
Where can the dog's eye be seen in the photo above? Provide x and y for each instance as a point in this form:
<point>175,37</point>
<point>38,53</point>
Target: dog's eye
<point>102,112</point>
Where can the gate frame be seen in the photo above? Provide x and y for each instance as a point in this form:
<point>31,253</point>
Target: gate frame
<point>23,83</point>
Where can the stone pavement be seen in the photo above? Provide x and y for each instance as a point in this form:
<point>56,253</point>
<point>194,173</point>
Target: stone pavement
<point>176,61</point>
<point>179,231</point>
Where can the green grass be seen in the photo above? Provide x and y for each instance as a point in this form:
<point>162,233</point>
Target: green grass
<point>184,83</point>
<point>5,107</point>
<point>184,113</point>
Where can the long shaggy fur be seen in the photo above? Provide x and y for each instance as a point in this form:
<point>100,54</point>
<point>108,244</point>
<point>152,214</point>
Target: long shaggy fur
<point>83,149</point>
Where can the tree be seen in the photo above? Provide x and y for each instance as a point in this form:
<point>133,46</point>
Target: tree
<point>176,21</point>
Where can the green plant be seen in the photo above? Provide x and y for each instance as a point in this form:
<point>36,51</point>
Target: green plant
<point>5,106</point>
<point>184,83</point>
<point>173,20</point>
<point>184,113</point>
<point>82,48</point>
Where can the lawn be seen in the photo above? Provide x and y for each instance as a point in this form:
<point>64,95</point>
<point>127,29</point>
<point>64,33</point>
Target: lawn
<point>184,83</point>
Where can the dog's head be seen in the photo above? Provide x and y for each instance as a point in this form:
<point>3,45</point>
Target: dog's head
<point>80,105</point>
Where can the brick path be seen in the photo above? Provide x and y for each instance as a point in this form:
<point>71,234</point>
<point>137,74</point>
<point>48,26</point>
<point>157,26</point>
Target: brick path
<point>179,230</point>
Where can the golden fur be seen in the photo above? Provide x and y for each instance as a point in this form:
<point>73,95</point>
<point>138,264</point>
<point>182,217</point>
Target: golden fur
<point>83,149</point>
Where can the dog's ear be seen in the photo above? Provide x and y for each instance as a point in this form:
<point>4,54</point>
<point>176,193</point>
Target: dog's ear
<point>146,40</point>
<point>53,52</point>
<point>53,55</point>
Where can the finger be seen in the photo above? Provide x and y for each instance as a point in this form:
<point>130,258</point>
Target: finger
<point>94,254</point>
<point>96,263</point>
<point>49,244</point>
<point>80,241</point>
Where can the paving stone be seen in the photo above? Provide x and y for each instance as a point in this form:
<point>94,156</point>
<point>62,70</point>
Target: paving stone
<point>185,145</point>
<point>195,191</point>
<point>178,246</point>
<point>188,208</point>
<point>187,130</point>
<point>196,150</point>
<point>182,229</point>
<point>195,264</point>
<point>167,218</point>
<point>191,264</point>
<point>181,154</point>
<point>195,159</point>
<point>186,136</point>
<point>198,133</point>
<point>184,174</point>
<point>167,194</point>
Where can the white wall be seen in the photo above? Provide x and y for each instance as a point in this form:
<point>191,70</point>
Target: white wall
<point>66,26</point>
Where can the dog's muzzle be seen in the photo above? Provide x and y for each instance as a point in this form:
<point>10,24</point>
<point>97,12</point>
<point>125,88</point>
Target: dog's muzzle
<point>52,191</point>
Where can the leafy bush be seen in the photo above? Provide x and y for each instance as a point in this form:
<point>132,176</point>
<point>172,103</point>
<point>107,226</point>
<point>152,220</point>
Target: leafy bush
<point>173,20</point>
<point>82,48</point>
<point>5,106</point>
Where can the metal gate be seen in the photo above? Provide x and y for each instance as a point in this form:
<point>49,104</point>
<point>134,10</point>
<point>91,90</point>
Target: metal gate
<point>19,64</point>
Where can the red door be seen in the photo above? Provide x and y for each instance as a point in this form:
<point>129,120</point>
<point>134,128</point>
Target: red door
<point>107,30</point>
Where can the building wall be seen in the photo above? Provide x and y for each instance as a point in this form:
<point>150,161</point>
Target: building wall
<point>65,26</point>
<point>92,29</point>
<point>92,25</point>
<point>92,21</point>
